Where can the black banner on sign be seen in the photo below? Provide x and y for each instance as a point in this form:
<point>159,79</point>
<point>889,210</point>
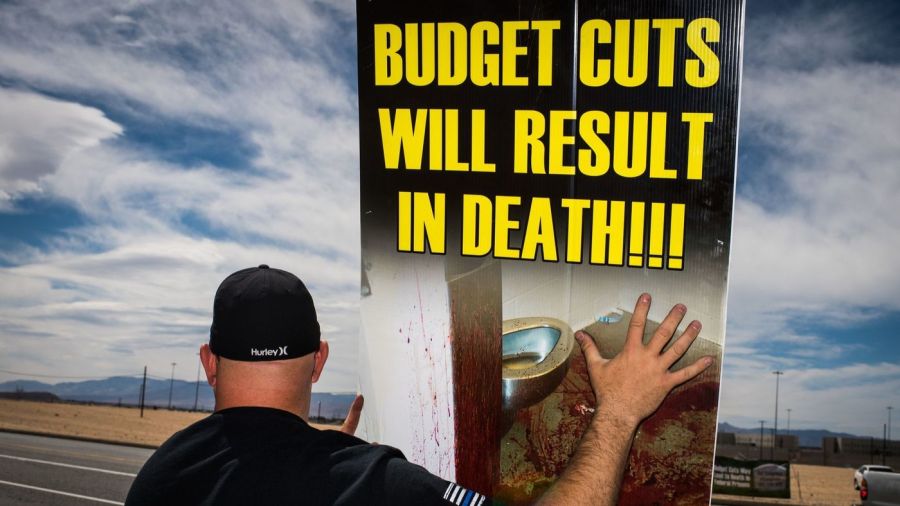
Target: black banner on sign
<point>539,164</point>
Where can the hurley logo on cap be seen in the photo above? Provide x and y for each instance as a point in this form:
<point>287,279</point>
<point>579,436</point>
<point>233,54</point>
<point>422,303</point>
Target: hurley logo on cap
<point>281,351</point>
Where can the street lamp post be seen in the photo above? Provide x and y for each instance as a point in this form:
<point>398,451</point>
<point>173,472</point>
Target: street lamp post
<point>778,375</point>
<point>789,422</point>
<point>171,385</point>
<point>889,408</point>
<point>762,424</point>
<point>197,389</point>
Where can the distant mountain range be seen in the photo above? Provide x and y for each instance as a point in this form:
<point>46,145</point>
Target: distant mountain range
<point>809,438</point>
<point>127,390</point>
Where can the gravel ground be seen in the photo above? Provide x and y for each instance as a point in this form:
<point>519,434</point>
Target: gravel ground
<point>107,423</point>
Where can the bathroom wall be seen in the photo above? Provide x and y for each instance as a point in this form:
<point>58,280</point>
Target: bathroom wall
<point>406,363</point>
<point>577,294</point>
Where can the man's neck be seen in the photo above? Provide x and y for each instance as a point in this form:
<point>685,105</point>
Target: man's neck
<point>291,404</point>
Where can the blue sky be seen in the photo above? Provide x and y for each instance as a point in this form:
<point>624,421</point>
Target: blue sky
<point>149,149</point>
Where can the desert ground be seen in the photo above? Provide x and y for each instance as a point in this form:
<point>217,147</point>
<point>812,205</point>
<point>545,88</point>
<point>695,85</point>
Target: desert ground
<point>106,423</point>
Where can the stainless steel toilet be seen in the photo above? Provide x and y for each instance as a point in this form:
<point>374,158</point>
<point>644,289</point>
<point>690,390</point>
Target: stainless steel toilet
<point>536,354</point>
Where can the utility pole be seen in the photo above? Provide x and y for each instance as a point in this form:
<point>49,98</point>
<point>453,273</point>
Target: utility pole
<point>197,390</point>
<point>790,449</point>
<point>143,391</point>
<point>775,430</point>
<point>319,415</point>
<point>171,385</point>
<point>889,408</point>
<point>762,424</point>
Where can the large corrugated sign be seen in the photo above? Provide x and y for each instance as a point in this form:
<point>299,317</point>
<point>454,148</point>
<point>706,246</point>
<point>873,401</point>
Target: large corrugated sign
<point>527,170</point>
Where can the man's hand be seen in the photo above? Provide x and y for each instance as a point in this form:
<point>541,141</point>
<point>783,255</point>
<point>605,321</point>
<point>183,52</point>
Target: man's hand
<point>352,420</point>
<point>631,386</point>
<point>628,388</point>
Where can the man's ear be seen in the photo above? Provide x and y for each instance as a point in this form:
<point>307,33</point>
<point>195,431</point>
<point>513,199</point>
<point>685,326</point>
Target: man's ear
<point>210,364</point>
<point>320,357</point>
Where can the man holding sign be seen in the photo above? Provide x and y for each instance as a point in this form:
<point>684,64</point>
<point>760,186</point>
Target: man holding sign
<point>265,353</point>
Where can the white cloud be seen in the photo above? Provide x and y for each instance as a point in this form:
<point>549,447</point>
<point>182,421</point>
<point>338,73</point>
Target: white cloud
<point>37,133</point>
<point>149,300</point>
<point>815,223</point>
<point>818,228</point>
<point>203,62</point>
<point>780,38</point>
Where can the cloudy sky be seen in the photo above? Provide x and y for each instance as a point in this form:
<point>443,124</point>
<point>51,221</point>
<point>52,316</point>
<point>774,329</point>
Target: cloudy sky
<point>148,149</point>
<point>815,289</point>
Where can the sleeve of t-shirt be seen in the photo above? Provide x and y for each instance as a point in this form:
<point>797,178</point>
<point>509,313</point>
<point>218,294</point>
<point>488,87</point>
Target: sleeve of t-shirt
<point>378,474</point>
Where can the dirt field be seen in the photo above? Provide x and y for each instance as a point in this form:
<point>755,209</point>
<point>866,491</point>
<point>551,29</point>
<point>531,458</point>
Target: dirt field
<point>813,486</point>
<point>108,423</point>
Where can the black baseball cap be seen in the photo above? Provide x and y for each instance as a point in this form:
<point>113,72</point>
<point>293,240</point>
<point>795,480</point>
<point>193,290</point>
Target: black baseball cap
<point>262,314</point>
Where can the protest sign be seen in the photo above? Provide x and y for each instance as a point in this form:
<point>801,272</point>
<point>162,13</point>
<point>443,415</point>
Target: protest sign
<point>527,170</point>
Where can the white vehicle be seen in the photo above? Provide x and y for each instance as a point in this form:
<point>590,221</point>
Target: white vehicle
<point>861,473</point>
<point>880,489</point>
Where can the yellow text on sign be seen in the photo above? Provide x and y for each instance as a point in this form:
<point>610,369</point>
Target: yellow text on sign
<point>632,144</point>
<point>421,222</point>
<point>613,232</point>
<point>411,132</point>
<point>619,51</point>
<point>449,54</point>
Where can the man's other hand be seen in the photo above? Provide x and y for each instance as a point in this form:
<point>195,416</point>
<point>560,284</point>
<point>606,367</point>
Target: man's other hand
<point>352,420</point>
<point>632,385</point>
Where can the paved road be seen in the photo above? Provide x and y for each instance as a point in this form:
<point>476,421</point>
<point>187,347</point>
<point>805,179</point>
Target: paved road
<point>52,471</point>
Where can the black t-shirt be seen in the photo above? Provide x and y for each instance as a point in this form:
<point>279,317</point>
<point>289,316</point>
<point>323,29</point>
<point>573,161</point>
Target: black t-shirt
<point>260,456</point>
